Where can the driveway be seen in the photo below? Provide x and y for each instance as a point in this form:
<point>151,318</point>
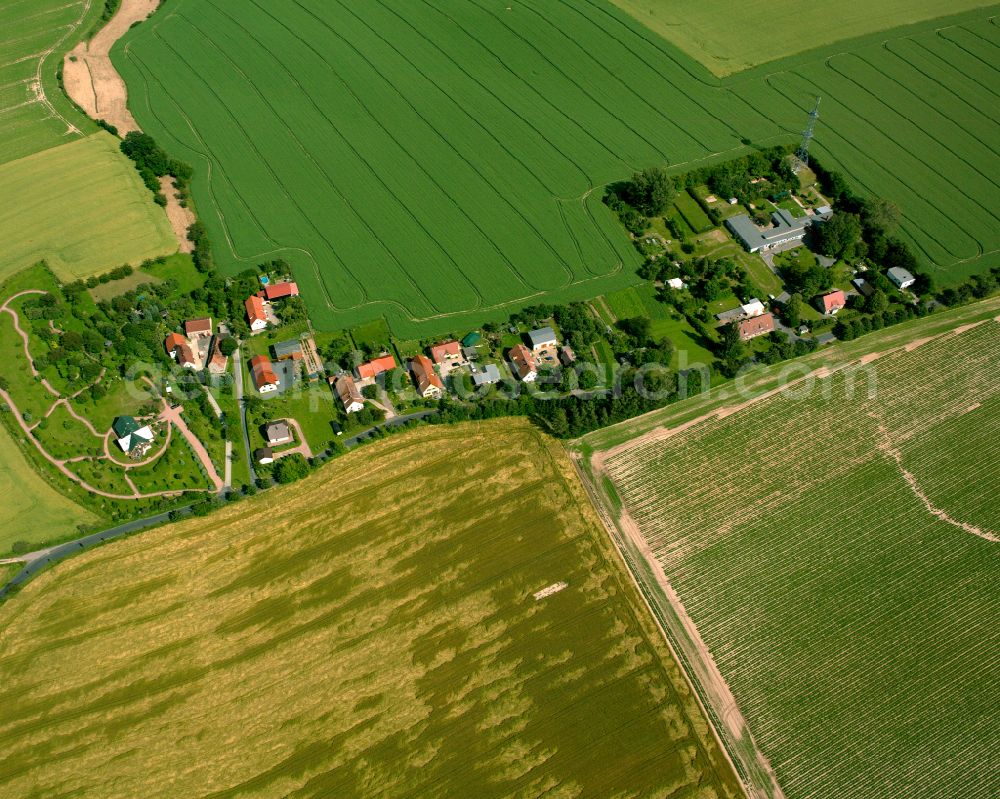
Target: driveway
<point>173,416</point>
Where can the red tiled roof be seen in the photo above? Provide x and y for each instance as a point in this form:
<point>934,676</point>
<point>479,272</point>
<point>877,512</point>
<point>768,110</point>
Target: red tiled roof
<point>757,326</point>
<point>376,366</point>
<point>196,326</point>
<point>174,340</point>
<point>522,359</point>
<point>255,309</point>
<point>834,301</point>
<point>423,372</point>
<point>262,371</point>
<point>447,349</point>
<point>278,291</point>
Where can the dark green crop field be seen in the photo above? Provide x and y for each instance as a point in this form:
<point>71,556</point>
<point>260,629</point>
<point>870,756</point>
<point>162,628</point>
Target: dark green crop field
<point>437,163</point>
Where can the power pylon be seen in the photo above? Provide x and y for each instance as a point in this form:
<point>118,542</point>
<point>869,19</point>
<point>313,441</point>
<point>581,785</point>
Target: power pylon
<point>802,154</point>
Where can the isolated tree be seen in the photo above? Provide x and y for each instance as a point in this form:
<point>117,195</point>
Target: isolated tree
<point>651,191</point>
<point>227,346</point>
<point>793,310</point>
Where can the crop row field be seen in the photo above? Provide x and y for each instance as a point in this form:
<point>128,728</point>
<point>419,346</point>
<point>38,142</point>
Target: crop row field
<point>836,546</point>
<point>449,622</point>
<point>438,164</point>
<point>33,35</point>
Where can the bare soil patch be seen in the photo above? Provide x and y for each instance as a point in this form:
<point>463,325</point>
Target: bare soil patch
<point>180,217</point>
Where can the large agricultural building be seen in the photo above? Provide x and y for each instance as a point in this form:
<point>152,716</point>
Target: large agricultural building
<point>784,228</point>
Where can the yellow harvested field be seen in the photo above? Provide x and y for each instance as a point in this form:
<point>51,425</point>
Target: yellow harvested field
<point>390,626</point>
<point>82,208</point>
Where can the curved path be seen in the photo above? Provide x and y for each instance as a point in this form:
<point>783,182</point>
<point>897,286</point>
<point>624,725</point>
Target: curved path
<point>169,415</point>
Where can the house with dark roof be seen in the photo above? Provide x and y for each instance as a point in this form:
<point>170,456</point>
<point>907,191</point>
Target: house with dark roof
<point>900,277</point>
<point>756,326</point>
<point>264,455</point>
<point>487,376</point>
<point>429,385</point>
<point>132,437</point>
<point>277,433</point>
<point>543,338</point>
<point>288,350</point>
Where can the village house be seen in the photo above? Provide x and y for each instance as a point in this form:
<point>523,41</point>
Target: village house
<point>901,278</point>
<point>196,328</point>
<point>447,351</point>
<point>542,339</point>
<point>264,377</point>
<point>178,348</point>
<point>263,456</point>
<point>256,315</point>
<point>756,326</point>
<point>865,289</point>
<point>348,394</point>
<point>567,356</point>
<point>288,350</point>
<point>277,433</point>
<point>832,302</point>
<point>279,291</point>
<point>523,363</point>
<point>487,376</point>
<point>429,385</point>
<point>133,438</point>
<point>373,368</point>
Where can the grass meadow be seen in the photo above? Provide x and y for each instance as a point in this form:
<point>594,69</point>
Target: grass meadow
<point>436,164</point>
<point>838,554</point>
<point>719,33</point>
<point>371,631</point>
<point>82,208</point>
<point>32,510</point>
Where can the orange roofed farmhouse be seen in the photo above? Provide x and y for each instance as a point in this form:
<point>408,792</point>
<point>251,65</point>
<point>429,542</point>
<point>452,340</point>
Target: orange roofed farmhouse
<point>179,349</point>
<point>255,313</point>
<point>376,366</point>
<point>264,377</point>
<point>428,383</point>
<point>278,291</point>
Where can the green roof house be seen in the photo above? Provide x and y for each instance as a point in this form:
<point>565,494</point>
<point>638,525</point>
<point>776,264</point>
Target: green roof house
<point>130,434</point>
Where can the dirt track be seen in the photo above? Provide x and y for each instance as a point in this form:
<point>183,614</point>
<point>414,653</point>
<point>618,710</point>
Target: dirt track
<point>91,79</point>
